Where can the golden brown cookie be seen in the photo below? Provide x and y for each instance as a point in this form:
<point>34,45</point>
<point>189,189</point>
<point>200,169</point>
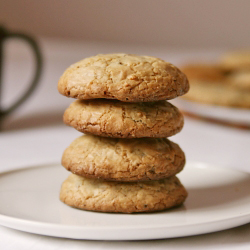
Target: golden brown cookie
<point>126,77</point>
<point>216,86</point>
<point>123,159</point>
<point>122,197</point>
<point>112,118</point>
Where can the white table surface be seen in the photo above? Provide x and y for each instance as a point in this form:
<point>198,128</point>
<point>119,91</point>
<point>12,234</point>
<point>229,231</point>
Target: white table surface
<point>35,134</point>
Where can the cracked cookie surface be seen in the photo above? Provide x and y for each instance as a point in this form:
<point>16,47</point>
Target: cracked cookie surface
<point>126,77</point>
<point>123,159</point>
<point>112,118</point>
<point>122,197</point>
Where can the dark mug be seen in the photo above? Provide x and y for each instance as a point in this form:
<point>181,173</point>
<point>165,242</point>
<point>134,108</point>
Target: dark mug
<point>6,35</point>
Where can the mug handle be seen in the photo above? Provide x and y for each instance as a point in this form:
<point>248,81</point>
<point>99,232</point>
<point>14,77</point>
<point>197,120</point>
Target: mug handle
<point>38,58</point>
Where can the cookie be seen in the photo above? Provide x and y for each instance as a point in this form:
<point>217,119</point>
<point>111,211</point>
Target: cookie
<point>123,159</point>
<point>236,60</point>
<point>126,77</point>
<point>112,118</point>
<point>217,86</point>
<point>122,197</point>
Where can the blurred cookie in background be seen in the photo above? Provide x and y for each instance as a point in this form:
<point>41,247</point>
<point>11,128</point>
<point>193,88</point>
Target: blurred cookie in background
<point>219,91</point>
<point>236,60</point>
<point>215,85</point>
<point>240,79</point>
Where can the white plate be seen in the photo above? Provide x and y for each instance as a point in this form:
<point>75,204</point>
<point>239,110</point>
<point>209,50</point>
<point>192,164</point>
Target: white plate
<point>226,114</point>
<point>218,199</point>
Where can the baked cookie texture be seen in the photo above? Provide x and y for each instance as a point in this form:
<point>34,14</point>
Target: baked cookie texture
<point>214,85</point>
<point>126,77</point>
<point>123,159</point>
<point>122,197</point>
<point>112,118</point>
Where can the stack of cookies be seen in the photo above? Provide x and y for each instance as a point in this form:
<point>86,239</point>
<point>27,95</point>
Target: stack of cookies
<point>124,161</point>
